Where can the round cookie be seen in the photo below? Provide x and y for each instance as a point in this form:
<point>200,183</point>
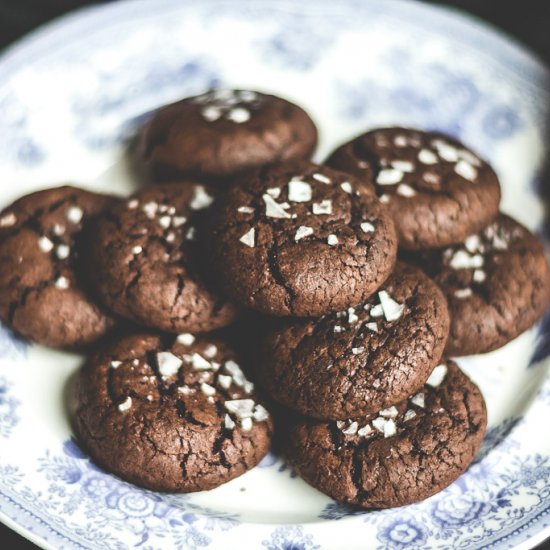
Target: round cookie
<point>438,191</point>
<point>169,413</point>
<point>42,296</point>
<point>222,133</point>
<point>400,455</point>
<point>497,283</point>
<point>144,256</point>
<point>300,239</point>
<point>358,361</point>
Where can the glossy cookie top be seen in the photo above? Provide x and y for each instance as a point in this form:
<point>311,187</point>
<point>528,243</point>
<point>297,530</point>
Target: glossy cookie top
<point>438,190</point>
<point>362,359</point>
<point>497,283</point>
<point>42,293</point>
<point>145,260</point>
<point>222,133</point>
<point>300,239</point>
<point>170,413</point>
<point>401,454</point>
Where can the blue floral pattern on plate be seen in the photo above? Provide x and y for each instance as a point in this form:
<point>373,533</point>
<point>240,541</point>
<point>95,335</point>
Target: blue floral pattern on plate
<point>290,538</point>
<point>11,346</point>
<point>8,408</point>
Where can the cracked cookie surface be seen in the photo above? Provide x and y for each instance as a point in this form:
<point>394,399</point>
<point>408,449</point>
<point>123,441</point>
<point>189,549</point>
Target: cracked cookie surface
<point>300,239</point>
<point>437,190</point>
<point>222,133</point>
<point>497,283</point>
<point>402,454</point>
<point>42,296</point>
<point>169,413</point>
<point>360,360</point>
<point>144,256</point>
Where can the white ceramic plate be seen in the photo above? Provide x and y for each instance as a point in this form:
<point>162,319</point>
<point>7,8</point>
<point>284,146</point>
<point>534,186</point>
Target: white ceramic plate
<point>69,96</point>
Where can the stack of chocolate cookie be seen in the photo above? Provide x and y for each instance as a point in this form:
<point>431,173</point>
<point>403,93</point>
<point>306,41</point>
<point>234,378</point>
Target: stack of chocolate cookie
<point>354,346</point>
<point>445,203</point>
<point>163,400</point>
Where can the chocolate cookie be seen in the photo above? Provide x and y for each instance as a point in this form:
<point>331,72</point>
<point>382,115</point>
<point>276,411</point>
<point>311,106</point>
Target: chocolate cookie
<point>41,292</point>
<point>497,283</point>
<point>438,191</point>
<point>169,413</point>
<point>144,255</point>
<point>301,239</point>
<point>358,361</point>
<point>222,133</point>
<point>400,455</point>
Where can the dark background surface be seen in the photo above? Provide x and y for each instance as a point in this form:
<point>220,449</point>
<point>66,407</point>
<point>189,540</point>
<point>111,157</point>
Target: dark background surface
<point>528,21</point>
